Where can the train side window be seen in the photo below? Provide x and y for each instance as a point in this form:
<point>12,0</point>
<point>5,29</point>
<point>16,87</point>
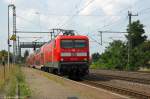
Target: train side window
<point>42,55</point>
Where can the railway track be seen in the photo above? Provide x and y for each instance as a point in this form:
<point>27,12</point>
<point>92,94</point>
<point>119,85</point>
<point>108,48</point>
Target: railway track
<point>124,91</point>
<point>138,77</point>
<point>131,79</point>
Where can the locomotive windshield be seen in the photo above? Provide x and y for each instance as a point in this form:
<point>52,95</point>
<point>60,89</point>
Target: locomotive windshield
<point>67,43</point>
<point>73,43</point>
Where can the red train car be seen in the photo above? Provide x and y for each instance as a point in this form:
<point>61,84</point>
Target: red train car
<point>66,55</point>
<point>30,60</point>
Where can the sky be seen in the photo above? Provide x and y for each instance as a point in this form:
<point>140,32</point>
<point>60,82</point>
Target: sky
<point>86,17</point>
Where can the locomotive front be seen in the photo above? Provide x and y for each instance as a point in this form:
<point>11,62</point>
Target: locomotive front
<point>74,55</point>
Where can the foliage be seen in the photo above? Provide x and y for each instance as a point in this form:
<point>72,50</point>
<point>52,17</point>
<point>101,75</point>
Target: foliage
<point>26,54</point>
<point>23,87</point>
<point>95,57</point>
<point>12,85</point>
<point>6,76</point>
<point>136,31</point>
<point>17,80</point>
<point>137,38</point>
<point>116,54</point>
<point>5,54</point>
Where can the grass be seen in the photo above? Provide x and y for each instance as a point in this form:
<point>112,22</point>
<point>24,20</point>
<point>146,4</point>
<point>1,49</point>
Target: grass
<point>11,87</point>
<point>144,69</point>
<point>14,82</point>
<point>4,79</point>
<point>24,89</point>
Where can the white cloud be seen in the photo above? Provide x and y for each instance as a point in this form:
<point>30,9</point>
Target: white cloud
<point>109,7</point>
<point>28,8</point>
<point>7,1</point>
<point>26,17</point>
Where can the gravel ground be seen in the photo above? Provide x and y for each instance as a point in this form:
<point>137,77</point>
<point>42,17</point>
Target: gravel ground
<point>144,88</point>
<point>48,86</point>
<point>122,73</point>
<point>133,86</point>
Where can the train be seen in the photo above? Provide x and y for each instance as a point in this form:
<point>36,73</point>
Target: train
<point>67,54</point>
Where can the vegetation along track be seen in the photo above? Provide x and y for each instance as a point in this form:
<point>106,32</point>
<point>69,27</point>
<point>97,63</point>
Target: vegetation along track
<point>124,91</point>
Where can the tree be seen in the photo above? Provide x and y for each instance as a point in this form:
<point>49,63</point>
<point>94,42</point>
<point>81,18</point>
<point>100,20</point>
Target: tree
<point>95,57</point>
<point>137,38</point>
<point>136,31</point>
<point>5,54</point>
<point>115,56</point>
<point>26,54</point>
<point>144,58</point>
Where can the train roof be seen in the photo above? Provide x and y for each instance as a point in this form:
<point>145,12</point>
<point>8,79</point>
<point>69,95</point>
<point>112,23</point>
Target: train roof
<point>71,37</point>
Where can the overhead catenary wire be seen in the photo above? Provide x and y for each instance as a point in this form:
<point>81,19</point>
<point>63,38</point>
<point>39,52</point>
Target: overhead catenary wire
<point>29,21</point>
<point>29,37</point>
<point>82,10</point>
<point>95,40</point>
<point>87,15</point>
<point>47,32</point>
<point>78,5</point>
<point>77,12</point>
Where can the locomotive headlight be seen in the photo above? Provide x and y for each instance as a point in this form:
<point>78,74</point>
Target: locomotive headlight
<point>65,54</point>
<point>62,59</point>
<point>81,54</point>
<point>85,59</point>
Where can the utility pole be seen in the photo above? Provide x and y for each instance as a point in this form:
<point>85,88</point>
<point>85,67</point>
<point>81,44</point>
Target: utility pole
<point>8,40</point>
<point>101,36</point>
<point>129,37</point>
<point>18,52</point>
<point>51,35</point>
<point>14,32</point>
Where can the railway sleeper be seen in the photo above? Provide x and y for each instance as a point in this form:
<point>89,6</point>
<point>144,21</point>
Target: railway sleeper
<point>132,93</point>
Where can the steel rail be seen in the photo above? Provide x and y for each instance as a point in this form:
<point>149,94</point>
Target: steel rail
<point>131,79</point>
<point>124,91</point>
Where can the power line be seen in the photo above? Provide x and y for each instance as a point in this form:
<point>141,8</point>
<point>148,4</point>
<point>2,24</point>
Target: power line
<point>110,24</point>
<point>95,41</point>
<point>113,32</point>
<point>26,20</point>
<point>31,22</point>
<point>32,32</point>
<point>78,12</point>
<point>30,37</point>
<point>121,11</point>
<point>75,7</point>
<point>143,11</point>
<point>80,15</point>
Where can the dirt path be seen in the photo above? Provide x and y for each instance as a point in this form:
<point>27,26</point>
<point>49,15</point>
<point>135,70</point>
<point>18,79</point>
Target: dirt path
<point>48,86</point>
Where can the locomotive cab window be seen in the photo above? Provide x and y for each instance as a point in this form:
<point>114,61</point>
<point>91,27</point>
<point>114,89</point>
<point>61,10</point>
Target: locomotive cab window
<point>67,43</point>
<point>73,43</point>
<point>80,43</point>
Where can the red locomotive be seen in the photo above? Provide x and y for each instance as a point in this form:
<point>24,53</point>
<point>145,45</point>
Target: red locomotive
<point>67,54</point>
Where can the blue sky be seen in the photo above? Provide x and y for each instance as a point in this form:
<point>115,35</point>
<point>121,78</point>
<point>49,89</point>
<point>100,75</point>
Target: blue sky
<point>87,17</point>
